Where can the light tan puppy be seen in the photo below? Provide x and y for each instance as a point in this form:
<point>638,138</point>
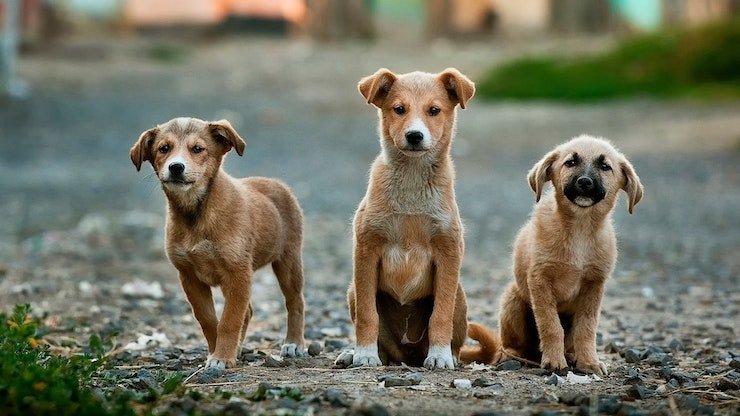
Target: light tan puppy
<point>221,229</point>
<point>564,255</point>
<point>406,300</point>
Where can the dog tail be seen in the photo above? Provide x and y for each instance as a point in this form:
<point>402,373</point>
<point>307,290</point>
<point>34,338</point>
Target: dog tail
<point>488,348</point>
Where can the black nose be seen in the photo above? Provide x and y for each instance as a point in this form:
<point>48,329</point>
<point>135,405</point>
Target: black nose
<point>585,183</point>
<point>414,137</point>
<point>177,168</point>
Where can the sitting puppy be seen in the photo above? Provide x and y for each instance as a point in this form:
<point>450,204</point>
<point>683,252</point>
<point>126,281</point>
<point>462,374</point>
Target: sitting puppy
<point>406,300</point>
<point>221,229</point>
<point>564,255</point>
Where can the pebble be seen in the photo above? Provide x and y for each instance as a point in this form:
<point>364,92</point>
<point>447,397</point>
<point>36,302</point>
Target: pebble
<point>637,391</point>
<point>735,363</point>
<point>555,380</point>
<point>271,361</point>
<point>335,398</point>
<point>173,365</point>
<point>392,380</point>
<point>209,374</point>
<point>314,349</point>
<point>724,384</point>
<point>632,356</point>
<point>544,398</point>
<point>236,377</point>
<point>573,398</point>
<point>374,409</point>
<point>613,347</point>
<point>676,345</point>
<point>461,383</point>
<point>509,365</point>
<point>334,344</point>
<point>483,381</point>
<point>344,359</point>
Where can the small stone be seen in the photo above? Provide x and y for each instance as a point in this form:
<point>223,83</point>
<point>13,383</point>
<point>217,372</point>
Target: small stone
<point>271,361</point>
<point>573,399</point>
<point>724,384</point>
<point>735,363</point>
<point>509,365</point>
<point>334,344</point>
<point>632,356</point>
<point>363,409</point>
<point>658,359</point>
<point>173,365</point>
<point>335,397</point>
<point>344,359</point>
<point>555,380</point>
<point>392,380</point>
<point>675,345</point>
<point>461,383</point>
<point>209,374</point>
<point>159,358</point>
<point>544,398</point>
<point>686,401</point>
<point>483,382</point>
<point>613,347</point>
<point>608,405</point>
<point>314,349</point>
<point>640,392</point>
<point>237,378</point>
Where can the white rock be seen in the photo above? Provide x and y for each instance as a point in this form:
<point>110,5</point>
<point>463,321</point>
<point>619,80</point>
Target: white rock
<point>462,383</point>
<point>140,288</point>
<point>157,339</point>
<point>573,378</point>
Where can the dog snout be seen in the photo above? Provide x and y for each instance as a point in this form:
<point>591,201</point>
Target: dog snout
<point>414,137</point>
<point>584,183</point>
<point>176,168</point>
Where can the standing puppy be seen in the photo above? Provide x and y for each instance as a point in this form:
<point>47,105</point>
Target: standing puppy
<point>221,229</point>
<point>564,255</point>
<point>406,300</point>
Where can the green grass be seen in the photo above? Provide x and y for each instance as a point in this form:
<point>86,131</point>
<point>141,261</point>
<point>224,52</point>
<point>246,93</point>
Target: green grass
<point>699,63</point>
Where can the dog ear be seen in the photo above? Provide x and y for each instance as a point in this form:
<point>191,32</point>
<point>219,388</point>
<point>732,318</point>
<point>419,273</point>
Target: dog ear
<point>142,149</point>
<point>540,173</point>
<point>375,87</point>
<point>459,88</point>
<point>224,133</point>
<point>632,185</point>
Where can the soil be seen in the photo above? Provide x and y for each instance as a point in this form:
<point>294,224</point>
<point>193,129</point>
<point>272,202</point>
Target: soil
<point>82,235</point>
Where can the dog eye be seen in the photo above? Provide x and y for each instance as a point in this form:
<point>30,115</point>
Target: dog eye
<point>164,149</point>
<point>603,166</point>
<point>570,163</point>
<point>434,110</point>
<point>197,149</point>
<point>399,109</point>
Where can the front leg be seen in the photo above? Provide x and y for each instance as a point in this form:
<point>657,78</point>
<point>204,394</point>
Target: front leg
<point>201,301</point>
<point>585,323</point>
<point>447,260</point>
<point>365,281</point>
<point>545,310</point>
<point>236,287</point>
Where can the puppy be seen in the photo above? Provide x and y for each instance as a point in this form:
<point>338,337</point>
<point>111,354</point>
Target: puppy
<point>564,255</point>
<point>221,229</point>
<point>405,299</point>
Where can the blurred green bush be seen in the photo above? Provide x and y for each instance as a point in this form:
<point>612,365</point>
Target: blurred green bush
<point>701,63</point>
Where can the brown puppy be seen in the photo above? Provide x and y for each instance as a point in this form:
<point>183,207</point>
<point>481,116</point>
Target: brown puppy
<point>406,300</point>
<point>221,229</point>
<point>564,255</point>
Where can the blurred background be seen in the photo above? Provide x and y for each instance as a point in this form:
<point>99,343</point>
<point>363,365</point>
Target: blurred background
<point>81,79</point>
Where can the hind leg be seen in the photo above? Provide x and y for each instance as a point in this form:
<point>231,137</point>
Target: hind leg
<point>513,325</point>
<point>247,318</point>
<point>289,272</point>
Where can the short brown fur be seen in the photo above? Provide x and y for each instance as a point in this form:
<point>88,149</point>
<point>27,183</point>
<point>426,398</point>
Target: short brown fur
<point>221,229</point>
<point>563,257</point>
<point>406,299</point>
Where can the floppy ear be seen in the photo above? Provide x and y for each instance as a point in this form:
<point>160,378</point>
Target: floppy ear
<point>632,185</point>
<point>375,87</point>
<point>142,149</point>
<point>540,173</point>
<point>224,133</point>
<point>459,88</point>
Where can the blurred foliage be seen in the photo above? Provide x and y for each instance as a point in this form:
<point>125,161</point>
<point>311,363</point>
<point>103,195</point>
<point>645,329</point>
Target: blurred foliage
<point>35,382</point>
<point>700,62</point>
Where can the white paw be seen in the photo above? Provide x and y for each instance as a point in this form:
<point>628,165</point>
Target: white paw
<point>439,357</point>
<point>291,350</point>
<point>215,363</point>
<point>366,356</point>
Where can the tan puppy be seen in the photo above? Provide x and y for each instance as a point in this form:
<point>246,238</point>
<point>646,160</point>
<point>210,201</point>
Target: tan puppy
<point>564,255</point>
<point>406,300</point>
<point>221,229</point>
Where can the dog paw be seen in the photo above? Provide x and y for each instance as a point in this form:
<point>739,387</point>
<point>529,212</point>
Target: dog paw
<point>215,363</point>
<point>554,363</point>
<point>291,350</point>
<point>596,367</point>
<point>366,356</point>
<point>439,357</point>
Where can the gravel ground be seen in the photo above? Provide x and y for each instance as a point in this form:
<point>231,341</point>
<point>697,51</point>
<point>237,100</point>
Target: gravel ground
<point>82,239</point>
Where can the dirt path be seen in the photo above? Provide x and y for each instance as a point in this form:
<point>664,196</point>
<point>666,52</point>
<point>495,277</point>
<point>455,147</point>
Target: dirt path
<point>80,223</point>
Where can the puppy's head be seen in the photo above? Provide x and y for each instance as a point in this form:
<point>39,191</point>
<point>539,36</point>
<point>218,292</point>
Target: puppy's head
<point>587,172</point>
<point>417,110</point>
<point>186,152</point>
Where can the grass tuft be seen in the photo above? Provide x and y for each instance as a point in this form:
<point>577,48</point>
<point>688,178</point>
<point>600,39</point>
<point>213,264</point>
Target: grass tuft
<point>700,63</point>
